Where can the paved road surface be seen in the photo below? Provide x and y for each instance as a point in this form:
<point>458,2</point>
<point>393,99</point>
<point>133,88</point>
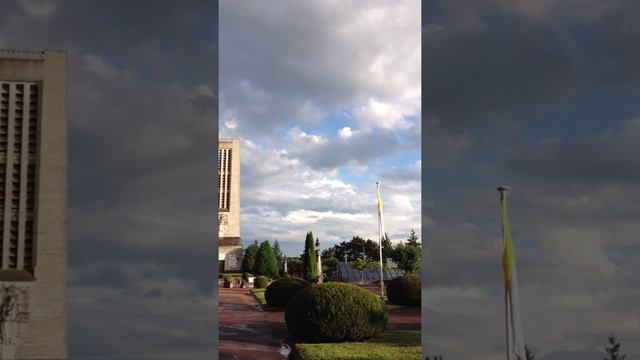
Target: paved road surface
<point>247,332</point>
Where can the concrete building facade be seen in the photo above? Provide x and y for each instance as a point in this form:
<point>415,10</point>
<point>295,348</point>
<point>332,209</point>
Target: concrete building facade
<point>230,242</point>
<point>33,205</point>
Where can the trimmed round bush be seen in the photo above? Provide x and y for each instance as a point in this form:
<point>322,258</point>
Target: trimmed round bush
<point>260,282</point>
<point>405,290</point>
<point>335,312</point>
<point>279,292</point>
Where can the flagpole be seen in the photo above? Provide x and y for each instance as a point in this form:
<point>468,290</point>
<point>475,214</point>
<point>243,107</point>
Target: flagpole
<point>502,190</point>
<point>380,238</point>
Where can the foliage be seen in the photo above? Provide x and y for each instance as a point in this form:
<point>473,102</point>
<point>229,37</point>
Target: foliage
<point>335,312</point>
<point>266,263</point>
<point>364,264</point>
<point>279,257</point>
<point>387,247</point>
<point>405,290</point>
<point>330,268</point>
<point>413,239</point>
<point>310,269</point>
<point>354,249</point>
<point>227,280</point>
<point>613,351</point>
<point>328,253</point>
<point>279,292</point>
<point>407,257</point>
<point>260,282</point>
<point>392,345</point>
<point>249,259</point>
<point>295,266</point>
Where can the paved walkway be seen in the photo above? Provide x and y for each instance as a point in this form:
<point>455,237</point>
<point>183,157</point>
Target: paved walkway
<point>247,332</point>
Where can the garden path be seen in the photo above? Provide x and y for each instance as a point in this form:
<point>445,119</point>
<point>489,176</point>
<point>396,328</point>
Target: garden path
<point>247,332</point>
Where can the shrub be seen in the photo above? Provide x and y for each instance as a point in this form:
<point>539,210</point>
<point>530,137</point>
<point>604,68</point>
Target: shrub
<point>245,276</point>
<point>260,282</point>
<point>227,280</point>
<point>279,292</point>
<point>405,290</point>
<point>266,263</point>
<point>335,312</point>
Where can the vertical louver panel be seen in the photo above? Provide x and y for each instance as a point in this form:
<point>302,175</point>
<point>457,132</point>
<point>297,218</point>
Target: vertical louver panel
<point>19,114</point>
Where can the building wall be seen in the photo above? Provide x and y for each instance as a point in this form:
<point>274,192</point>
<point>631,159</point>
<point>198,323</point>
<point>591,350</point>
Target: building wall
<point>37,328</point>
<point>229,211</point>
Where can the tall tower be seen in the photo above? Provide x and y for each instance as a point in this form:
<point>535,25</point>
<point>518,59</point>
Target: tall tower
<point>33,205</point>
<point>230,243</point>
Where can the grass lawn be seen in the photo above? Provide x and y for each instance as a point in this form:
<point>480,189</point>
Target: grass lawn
<point>259,294</point>
<point>392,345</point>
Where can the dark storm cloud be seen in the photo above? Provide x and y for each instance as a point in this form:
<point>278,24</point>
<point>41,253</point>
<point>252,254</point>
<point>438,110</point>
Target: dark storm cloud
<point>601,158</point>
<point>509,76</point>
<point>141,100</point>
<point>476,71</point>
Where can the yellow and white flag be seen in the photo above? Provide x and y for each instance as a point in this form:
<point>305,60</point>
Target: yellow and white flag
<point>514,336</point>
<point>380,222</point>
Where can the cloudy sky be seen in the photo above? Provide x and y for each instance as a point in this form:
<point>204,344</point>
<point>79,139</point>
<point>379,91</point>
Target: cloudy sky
<point>326,99</point>
<point>142,150</point>
<point>542,96</point>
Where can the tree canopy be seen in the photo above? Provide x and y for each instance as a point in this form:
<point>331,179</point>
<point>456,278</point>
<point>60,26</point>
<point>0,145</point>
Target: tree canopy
<point>266,263</point>
<point>249,258</point>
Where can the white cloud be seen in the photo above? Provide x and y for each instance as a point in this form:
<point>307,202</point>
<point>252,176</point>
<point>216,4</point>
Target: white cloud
<point>283,198</point>
<point>96,65</point>
<point>309,216</point>
<point>345,132</point>
<point>38,8</point>
<point>381,115</point>
<point>359,51</point>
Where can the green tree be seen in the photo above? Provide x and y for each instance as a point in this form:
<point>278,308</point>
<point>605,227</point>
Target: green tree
<point>613,351</point>
<point>367,264</point>
<point>387,247</point>
<point>266,263</point>
<point>329,253</point>
<point>330,268</point>
<point>309,259</point>
<point>361,265</point>
<point>407,257</point>
<point>279,258</point>
<point>356,248</point>
<point>249,258</point>
<point>413,239</point>
<point>295,266</point>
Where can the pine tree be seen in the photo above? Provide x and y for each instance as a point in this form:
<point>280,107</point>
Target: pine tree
<point>279,258</point>
<point>613,351</point>
<point>266,263</point>
<point>413,239</point>
<point>249,258</point>
<point>309,259</point>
